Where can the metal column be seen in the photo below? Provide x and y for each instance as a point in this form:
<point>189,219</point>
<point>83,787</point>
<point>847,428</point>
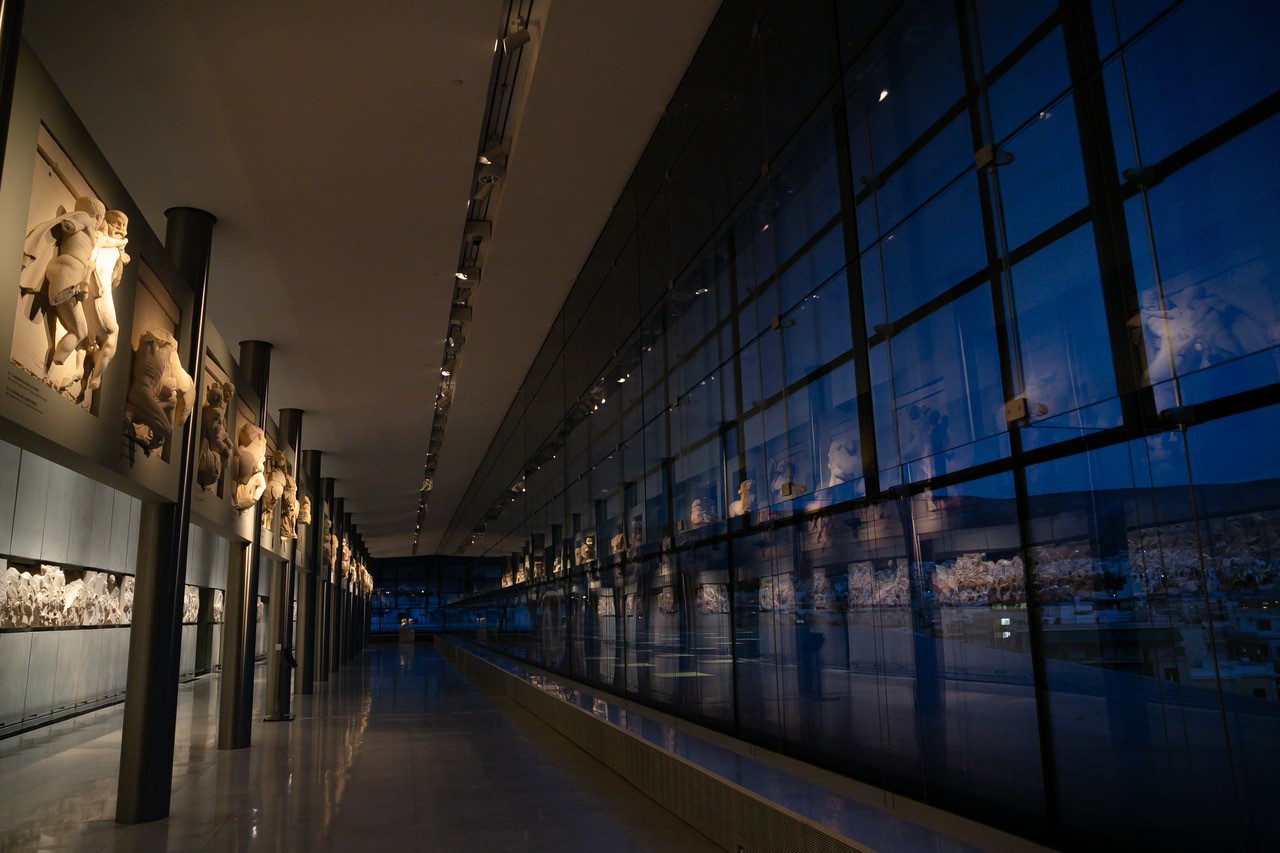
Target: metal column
<point>235,701</point>
<point>155,638</point>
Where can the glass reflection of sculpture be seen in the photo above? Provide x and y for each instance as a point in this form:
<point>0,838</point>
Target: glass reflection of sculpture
<point>699,512</point>
<point>843,463</point>
<point>746,499</point>
<point>784,479</point>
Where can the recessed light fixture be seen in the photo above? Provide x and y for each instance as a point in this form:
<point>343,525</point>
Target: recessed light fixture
<point>884,93</point>
<point>701,290</point>
<point>444,372</point>
<point>621,379</point>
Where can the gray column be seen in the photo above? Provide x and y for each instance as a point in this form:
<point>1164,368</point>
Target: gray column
<point>204,633</point>
<point>307,578</point>
<point>155,638</point>
<point>235,700</point>
<point>280,661</point>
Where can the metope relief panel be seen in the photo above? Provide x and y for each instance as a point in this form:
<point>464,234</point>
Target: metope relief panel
<point>74,254</point>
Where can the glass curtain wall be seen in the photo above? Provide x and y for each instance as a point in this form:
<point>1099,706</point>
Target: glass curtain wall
<point>915,413</point>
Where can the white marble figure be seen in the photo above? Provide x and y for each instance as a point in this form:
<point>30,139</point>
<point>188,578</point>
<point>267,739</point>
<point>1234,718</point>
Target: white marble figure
<point>618,543</point>
<point>98,346</point>
<point>215,440</point>
<point>637,533</point>
<point>57,261</point>
<point>274,491</point>
<point>109,261</point>
<point>218,611</point>
<point>289,509</point>
<point>332,541</point>
<point>304,510</point>
<point>161,394</point>
<point>588,547</point>
<point>746,501</point>
<point>248,466</point>
<point>346,559</point>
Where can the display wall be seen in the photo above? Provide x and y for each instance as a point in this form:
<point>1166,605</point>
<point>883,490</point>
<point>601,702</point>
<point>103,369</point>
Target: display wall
<point>914,414</point>
<point>95,396</point>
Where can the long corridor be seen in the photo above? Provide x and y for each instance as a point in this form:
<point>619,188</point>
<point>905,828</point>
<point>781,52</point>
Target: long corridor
<point>398,751</point>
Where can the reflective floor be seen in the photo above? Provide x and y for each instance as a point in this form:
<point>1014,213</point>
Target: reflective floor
<point>397,752</point>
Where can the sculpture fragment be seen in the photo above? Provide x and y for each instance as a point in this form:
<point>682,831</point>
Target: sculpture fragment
<point>289,509</point>
<point>161,394</point>
<point>248,466</point>
<point>274,490</point>
<point>215,439</point>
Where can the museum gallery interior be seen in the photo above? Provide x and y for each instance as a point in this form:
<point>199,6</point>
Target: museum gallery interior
<point>681,424</point>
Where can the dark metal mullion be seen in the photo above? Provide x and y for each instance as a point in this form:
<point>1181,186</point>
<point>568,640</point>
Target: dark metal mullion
<point>976,95</point>
<point>1110,231</point>
<point>857,309</point>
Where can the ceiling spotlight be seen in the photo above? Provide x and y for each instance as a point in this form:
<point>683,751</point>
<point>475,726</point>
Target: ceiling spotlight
<point>444,372</point>
<point>517,37</point>
<point>621,379</point>
<point>495,153</point>
<point>490,174</point>
<point>884,93</point>
<point>467,273</point>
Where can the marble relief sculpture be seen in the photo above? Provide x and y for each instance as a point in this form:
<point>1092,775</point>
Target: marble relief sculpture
<point>618,543</point>
<point>366,581</point>
<point>215,440</point>
<point>330,547</point>
<point>218,611</point>
<point>745,503</point>
<point>72,259</point>
<point>190,605</point>
<point>161,393</point>
<point>248,466</point>
<point>326,545</point>
<point>274,490</point>
<point>346,559</point>
<point>45,599</point>
<point>304,510</point>
<point>289,509</point>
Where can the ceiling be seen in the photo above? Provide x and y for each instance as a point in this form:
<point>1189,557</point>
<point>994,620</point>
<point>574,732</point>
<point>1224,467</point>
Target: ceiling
<point>337,152</point>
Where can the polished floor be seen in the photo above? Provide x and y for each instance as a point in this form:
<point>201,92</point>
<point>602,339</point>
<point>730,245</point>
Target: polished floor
<point>398,751</point>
